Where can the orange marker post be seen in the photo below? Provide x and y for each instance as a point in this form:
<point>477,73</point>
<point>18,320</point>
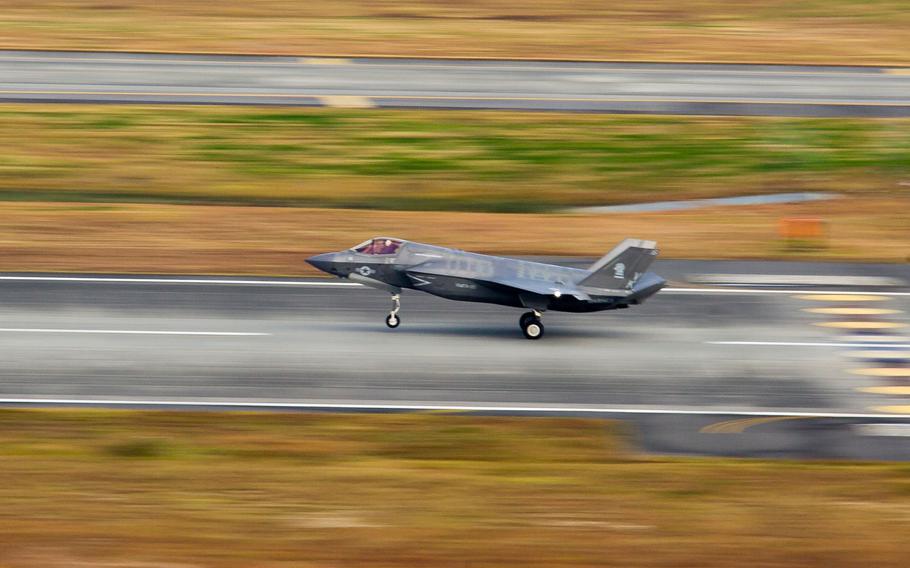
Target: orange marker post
<point>803,233</point>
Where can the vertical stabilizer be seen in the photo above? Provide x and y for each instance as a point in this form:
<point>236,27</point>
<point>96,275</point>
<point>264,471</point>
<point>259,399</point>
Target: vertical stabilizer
<point>623,266</point>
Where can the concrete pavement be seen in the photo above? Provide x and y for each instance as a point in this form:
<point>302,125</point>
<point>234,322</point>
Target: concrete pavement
<point>684,361</point>
<point>775,90</point>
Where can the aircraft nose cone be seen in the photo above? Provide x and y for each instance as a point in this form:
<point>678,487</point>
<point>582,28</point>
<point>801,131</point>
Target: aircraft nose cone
<point>322,261</point>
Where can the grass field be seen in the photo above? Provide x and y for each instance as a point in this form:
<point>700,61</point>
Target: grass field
<point>817,31</point>
<point>203,239</point>
<point>417,160</point>
<point>170,189</point>
<point>144,489</point>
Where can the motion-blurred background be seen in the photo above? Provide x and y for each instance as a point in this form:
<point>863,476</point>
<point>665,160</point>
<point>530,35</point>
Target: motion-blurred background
<point>147,163</point>
<point>239,138</point>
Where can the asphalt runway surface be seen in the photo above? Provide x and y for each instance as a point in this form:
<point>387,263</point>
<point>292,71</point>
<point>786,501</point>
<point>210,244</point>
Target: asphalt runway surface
<point>731,371</point>
<point>708,89</point>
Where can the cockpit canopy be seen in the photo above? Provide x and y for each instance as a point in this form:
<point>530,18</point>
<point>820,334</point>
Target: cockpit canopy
<point>380,245</point>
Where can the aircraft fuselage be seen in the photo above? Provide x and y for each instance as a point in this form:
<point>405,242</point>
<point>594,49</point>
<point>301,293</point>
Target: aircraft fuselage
<point>465,276</point>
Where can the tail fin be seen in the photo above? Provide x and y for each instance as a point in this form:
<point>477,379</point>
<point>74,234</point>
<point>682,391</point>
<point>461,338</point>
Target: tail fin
<point>622,266</point>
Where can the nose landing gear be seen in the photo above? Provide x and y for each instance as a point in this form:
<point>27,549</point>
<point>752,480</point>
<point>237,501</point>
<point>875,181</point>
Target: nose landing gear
<point>531,325</point>
<point>392,320</point>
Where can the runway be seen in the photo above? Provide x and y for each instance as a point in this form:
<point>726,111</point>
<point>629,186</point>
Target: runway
<point>733,371</point>
<point>706,89</point>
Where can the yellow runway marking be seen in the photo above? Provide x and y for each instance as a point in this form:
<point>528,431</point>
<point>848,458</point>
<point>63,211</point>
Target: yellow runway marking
<point>739,425</point>
<point>881,354</point>
<point>900,409</point>
<point>901,71</point>
<point>893,372</point>
<point>346,101</point>
<point>443,411</point>
<point>861,324</point>
<point>325,61</point>
<point>899,391</point>
<point>842,298</point>
<point>852,311</point>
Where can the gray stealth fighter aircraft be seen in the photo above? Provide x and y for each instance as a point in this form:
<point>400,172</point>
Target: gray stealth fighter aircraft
<point>616,281</point>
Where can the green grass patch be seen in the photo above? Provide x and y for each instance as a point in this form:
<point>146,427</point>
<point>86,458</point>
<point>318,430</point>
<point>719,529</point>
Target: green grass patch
<point>464,161</point>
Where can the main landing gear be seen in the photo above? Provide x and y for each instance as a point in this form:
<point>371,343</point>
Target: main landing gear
<point>531,325</point>
<point>392,320</point>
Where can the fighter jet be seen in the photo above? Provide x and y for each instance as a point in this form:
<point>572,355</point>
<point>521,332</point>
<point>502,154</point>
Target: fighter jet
<point>618,280</point>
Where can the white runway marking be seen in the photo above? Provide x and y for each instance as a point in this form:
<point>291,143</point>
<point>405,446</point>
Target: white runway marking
<point>126,280</point>
<point>345,284</point>
<point>891,430</point>
<point>130,332</point>
<point>804,344</point>
<point>793,280</point>
<point>422,406</point>
<point>773,291</point>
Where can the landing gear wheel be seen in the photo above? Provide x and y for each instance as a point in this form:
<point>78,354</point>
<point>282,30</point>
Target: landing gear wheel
<point>532,327</point>
<point>392,320</point>
<point>523,320</point>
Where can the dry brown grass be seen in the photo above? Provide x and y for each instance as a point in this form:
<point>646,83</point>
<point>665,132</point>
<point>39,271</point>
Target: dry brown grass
<point>157,238</point>
<point>165,490</point>
<point>831,31</point>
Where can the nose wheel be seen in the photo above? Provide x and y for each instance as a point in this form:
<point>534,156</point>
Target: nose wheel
<point>531,325</point>
<point>392,320</point>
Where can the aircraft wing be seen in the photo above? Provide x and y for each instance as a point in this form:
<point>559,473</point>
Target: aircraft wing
<point>539,287</point>
<point>526,285</point>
